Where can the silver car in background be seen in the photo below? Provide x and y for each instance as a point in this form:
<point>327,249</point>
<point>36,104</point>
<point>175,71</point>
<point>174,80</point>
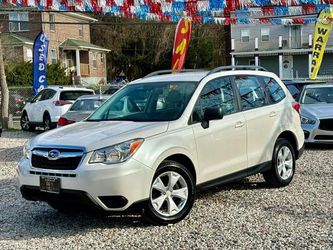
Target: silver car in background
<point>317,113</point>
<point>82,108</point>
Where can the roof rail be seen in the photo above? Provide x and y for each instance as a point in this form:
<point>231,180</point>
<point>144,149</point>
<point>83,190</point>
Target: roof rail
<point>168,71</point>
<point>236,67</point>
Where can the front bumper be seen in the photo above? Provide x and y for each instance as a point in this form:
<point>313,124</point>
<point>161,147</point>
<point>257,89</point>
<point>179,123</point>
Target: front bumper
<point>312,134</point>
<point>97,183</point>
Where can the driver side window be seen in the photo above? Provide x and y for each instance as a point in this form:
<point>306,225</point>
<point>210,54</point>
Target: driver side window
<point>216,93</point>
<point>39,96</point>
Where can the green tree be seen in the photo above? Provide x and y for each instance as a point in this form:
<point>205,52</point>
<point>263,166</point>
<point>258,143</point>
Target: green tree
<point>22,74</point>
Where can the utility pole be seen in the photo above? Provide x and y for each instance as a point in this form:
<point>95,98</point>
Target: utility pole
<point>4,90</point>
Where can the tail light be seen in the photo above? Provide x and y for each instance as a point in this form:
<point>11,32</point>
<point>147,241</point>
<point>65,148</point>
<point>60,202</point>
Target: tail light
<point>63,121</point>
<point>18,100</point>
<point>61,102</point>
<point>297,107</point>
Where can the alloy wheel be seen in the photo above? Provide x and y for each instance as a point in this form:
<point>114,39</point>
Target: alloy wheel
<point>169,193</point>
<point>285,163</point>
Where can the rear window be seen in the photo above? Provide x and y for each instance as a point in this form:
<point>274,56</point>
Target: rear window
<point>73,94</point>
<point>86,105</point>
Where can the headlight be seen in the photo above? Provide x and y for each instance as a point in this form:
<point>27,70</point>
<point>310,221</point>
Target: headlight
<point>26,150</point>
<point>305,120</point>
<point>116,153</point>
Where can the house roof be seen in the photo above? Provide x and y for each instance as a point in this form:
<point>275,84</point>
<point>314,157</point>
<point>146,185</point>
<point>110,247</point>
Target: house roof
<point>14,39</point>
<point>79,44</point>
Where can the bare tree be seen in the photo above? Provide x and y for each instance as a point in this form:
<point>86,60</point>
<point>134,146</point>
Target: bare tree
<point>4,90</point>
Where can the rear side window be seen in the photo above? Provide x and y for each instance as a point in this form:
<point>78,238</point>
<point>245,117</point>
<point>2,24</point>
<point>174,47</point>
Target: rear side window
<point>49,93</point>
<point>73,95</point>
<point>251,93</point>
<point>273,89</point>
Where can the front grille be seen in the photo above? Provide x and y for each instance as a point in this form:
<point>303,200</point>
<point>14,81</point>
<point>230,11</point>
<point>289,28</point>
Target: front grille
<point>69,158</point>
<point>326,124</point>
<point>324,137</point>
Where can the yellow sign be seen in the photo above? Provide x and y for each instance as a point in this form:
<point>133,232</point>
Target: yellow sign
<point>323,28</point>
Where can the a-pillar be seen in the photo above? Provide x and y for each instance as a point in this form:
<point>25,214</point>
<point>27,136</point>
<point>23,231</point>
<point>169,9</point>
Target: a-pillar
<point>232,51</point>
<point>256,48</point>
<point>78,68</point>
<point>280,59</point>
<point>310,55</point>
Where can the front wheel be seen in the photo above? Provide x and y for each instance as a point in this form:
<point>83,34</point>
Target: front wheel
<point>171,194</point>
<point>283,164</point>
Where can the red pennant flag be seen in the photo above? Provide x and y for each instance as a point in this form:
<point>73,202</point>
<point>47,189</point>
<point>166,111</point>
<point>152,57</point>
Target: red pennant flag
<point>180,46</point>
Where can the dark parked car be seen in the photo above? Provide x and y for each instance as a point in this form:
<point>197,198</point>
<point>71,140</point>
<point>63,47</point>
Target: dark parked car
<point>295,86</point>
<point>16,103</point>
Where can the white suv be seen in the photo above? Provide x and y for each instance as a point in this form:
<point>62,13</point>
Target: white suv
<point>48,105</point>
<point>161,138</point>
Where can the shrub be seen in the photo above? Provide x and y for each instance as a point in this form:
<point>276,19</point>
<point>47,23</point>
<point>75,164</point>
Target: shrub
<point>21,74</point>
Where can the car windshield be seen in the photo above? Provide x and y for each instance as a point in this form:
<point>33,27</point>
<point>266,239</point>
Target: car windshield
<point>86,105</point>
<point>161,101</point>
<point>317,95</point>
<point>73,94</point>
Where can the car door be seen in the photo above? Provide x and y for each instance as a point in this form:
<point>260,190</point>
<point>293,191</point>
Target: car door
<point>33,106</point>
<point>261,119</point>
<point>42,104</point>
<point>221,148</point>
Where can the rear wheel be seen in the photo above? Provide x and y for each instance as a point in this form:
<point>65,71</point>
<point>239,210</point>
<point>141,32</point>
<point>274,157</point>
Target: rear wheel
<point>47,122</point>
<point>283,164</point>
<point>171,194</point>
<point>25,123</point>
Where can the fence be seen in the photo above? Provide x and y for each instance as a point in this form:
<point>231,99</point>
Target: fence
<point>19,94</point>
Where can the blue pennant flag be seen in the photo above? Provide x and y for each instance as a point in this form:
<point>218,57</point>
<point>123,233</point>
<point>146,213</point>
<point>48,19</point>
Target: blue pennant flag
<point>41,46</point>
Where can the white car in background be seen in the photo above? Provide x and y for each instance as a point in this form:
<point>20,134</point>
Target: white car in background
<point>48,105</point>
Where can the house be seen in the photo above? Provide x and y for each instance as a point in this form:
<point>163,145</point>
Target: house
<point>69,42</point>
<point>283,49</point>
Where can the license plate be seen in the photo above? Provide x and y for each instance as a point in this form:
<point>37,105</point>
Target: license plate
<point>50,184</point>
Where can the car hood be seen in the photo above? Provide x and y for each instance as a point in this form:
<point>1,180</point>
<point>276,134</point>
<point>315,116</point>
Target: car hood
<point>319,111</point>
<point>95,135</point>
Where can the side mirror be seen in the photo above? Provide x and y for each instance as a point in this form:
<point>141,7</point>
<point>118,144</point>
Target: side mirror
<point>214,113</point>
<point>28,100</point>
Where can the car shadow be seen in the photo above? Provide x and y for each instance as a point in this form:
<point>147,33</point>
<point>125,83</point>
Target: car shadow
<point>21,219</point>
<point>316,146</point>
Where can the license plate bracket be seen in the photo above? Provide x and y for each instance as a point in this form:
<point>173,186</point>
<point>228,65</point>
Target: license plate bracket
<point>49,184</point>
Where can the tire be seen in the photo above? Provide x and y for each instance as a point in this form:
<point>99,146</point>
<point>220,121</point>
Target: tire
<point>283,164</point>
<point>164,192</point>
<point>25,123</point>
<point>47,124</point>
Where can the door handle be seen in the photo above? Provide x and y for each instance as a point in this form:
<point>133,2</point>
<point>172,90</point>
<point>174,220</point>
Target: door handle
<point>239,124</point>
<point>273,114</point>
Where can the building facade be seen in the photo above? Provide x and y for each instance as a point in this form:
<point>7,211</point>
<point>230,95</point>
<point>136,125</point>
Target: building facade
<point>69,42</point>
<point>283,49</point>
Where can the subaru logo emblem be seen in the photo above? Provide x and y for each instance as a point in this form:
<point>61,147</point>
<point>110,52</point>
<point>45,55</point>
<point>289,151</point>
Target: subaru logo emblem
<point>53,155</point>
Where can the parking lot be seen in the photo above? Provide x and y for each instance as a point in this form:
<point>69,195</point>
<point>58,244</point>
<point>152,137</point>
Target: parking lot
<point>245,214</point>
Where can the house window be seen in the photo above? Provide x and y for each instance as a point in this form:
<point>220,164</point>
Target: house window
<point>17,25</point>
<point>102,58</point>
<point>94,60</point>
<point>81,30</point>
<point>264,34</point>
<point>29,54</point>
<point>245,36</point>
<point>52,20</point>
<point>54,56</point>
